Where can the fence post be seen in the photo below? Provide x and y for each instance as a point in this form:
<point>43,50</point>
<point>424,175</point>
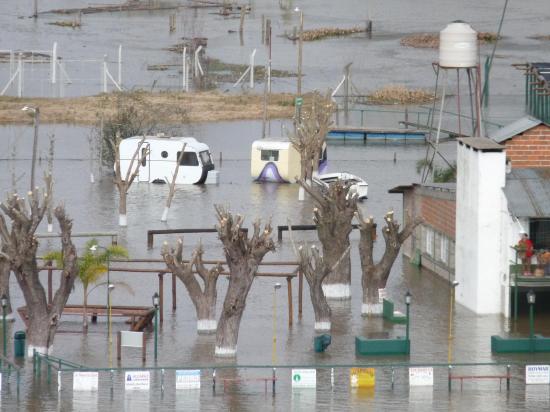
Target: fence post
<point>162,381</point>
<point>508,376</point>
<point>392,376</point>
<point>112,381</point>
<point>450,370</point>
<point>214,380</point>
<point>274,379</point>
<point>104,73</point>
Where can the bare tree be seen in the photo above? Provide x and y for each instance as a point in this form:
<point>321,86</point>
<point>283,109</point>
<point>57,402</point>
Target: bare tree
<point>48,179</point>
<point>123,183</point>
<point>315,270</point>
<point>203,298</point>
<point>310,136</point>
<point>375,276</point>
<point>172,189</point>
<point>19,246</point>
<point>243,256</point>
<point>333,215</point>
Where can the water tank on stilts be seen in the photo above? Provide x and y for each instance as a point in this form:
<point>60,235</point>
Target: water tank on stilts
<point>458,46</point>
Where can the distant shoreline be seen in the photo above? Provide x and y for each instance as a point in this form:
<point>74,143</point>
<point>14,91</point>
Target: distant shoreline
<point>198,107</point>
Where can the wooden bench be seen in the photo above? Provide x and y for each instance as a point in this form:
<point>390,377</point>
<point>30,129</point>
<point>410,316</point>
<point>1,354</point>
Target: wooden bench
<point>228,381</point>
<point>140,317</point>
<point>390,314</point>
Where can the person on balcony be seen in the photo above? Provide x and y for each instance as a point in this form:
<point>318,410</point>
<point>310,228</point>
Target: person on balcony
<point>525,251</point>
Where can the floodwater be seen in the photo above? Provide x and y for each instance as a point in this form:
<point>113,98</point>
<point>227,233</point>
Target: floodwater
<point>94,207</point>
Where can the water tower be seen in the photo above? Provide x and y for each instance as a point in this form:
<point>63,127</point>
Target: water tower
<point>458,56</point>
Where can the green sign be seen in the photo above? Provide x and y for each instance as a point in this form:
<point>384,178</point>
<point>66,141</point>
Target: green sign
<point>298,101</point>
<point>297,378</point>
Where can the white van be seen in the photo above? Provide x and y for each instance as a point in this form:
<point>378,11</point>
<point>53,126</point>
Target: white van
<point>161,155</point>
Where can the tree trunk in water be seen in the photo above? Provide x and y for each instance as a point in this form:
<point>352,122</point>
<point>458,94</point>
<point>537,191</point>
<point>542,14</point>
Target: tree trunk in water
<point>337,283</point>
<point>5,273</point>
<point>320,306</point>
<point>122,219</point>
<point>234,304</point>
<point>203,300</point>
<point>39,333</point>
<point>243,255</point>
<point>375,276</point>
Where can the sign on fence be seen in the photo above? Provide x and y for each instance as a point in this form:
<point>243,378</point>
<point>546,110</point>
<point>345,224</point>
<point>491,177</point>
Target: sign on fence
<point>137,380</point>
<point>362,377</point>
<point>537,374</point>
<point>131,339</point>
<point>188,379</point>
<point>85,381</point>
<point>304,378</point>
<point>421,376</point>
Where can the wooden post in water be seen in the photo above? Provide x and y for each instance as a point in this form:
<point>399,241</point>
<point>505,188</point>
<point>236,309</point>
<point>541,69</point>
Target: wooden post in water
<point>263,29</point>
<point>35,12</point>
<point>290,309</point>
<point>173,292</point>
<point>300,293</point>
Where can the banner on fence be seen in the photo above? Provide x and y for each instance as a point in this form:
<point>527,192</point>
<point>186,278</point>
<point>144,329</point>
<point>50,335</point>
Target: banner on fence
<point>85,381</point>
<point>537,374</point>
<point>137,380</point>
<point>421,376</point>
<point>362,377</point>
<point>188,379</point>
<point>304,378</point>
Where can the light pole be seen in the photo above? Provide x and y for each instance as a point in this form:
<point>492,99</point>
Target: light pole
<point>300,46</point>
<point>35,113</point>
<point>109,290</point>
<point>408,297</point>
<point>93,248</point>
<point>274,349</point>
<point>156,305</point>
<point>4,301</point>
<point>531,301</point>
<point>451,307</point>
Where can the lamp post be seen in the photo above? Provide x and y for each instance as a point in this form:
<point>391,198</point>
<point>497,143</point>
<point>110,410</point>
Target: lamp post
<point>109,317</point>
<point>408,297</point>
<point>156,300</point>
<point>274,349</point>
<point>93,248</point>
<point>451,307</point>
<point>4,301</point>
<point>531,301</point>
<point>35,113</point>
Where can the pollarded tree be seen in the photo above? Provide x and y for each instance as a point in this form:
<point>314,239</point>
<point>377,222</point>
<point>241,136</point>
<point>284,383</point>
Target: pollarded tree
<point>310,135</point>
<point>243,256</point>
<point>315,270</point>
<point>375,276</point>
<point>124,181</point>
<point>203,298</point>
<point>5,273</point>
<point>333,215</point>
<point>19,246</point>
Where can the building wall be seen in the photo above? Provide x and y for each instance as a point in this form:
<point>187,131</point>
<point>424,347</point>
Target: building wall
<point>530,149</point>
<point>433,239</point>
<point>479,214</point>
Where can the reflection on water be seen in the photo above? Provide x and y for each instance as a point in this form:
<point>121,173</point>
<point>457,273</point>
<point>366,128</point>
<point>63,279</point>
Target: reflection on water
<point>94,208</point>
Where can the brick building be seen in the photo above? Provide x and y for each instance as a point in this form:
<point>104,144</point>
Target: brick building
<point>527,143</point>
<point>432,243</point>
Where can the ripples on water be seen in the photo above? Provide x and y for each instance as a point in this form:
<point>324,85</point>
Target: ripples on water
<point>94,207</point>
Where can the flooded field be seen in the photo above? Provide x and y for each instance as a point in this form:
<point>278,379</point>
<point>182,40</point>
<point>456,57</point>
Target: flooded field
<point>93,207</point>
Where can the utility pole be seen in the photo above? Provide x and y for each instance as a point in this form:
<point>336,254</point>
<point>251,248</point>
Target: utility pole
<point>300,43</point>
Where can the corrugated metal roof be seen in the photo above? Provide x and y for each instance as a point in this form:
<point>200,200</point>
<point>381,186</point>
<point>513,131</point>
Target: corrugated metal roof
<point>528,192</point>
<point>514,128</point>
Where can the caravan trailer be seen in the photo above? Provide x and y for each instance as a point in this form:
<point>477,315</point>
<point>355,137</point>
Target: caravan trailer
<point>276,160</point>
<point>158,157</point>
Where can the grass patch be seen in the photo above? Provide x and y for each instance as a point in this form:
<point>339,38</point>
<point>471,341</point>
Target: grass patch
<point>324,32</point>
<point>399,94</point>
<point>431,40</point>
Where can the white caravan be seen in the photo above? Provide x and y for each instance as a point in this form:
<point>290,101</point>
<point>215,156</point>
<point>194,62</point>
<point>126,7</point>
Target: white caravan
<point>159,155</point>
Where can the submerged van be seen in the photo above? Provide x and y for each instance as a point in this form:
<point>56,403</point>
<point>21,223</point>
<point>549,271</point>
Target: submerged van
<point>276,160</point>
<point>159,155</point>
